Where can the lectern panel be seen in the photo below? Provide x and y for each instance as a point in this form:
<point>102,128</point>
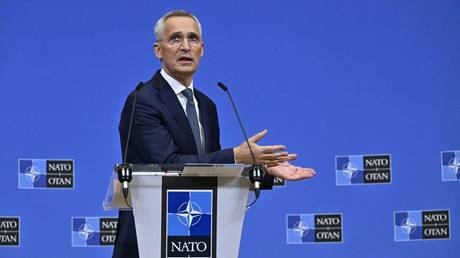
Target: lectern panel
<point>189,215</point>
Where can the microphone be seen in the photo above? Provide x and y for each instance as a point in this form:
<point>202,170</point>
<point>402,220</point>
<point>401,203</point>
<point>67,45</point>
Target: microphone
<point>125,170</point>
<point>256,172</point>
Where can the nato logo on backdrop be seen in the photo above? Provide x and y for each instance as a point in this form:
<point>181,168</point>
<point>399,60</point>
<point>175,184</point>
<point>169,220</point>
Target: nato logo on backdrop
<point>189,223</point>
<point>450,163</point>
<point>421,225</point>
<point>363,169</point>
<point>314,228</point>
<point>9,231</point>
<point>45,173</point>
<point>93,231</point>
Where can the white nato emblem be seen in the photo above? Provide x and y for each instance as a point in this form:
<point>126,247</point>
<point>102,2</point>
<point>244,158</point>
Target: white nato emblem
<point>350,170</point>
<point>301,228</point>
<point>32,174</point>
<point>86,231</point>
<point>408,226</point>
<point>454,166</point>
<point>189,213</point>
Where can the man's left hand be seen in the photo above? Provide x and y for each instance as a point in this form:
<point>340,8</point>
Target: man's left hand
<point>290,172</point>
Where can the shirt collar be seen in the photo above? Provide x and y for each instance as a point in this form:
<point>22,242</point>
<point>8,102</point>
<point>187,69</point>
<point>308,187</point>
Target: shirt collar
<point>175,85</point>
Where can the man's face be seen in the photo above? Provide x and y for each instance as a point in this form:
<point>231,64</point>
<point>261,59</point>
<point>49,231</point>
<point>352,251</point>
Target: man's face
<point>180,47</point>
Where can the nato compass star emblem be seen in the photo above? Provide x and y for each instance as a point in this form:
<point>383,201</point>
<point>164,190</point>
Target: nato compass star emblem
<point>189,213</point>
<point>454,166</point>
<point>350,170</point>
<point>32,174</point>
<point>301,228</point>
<point>86,232</point>
<point>408,226</point>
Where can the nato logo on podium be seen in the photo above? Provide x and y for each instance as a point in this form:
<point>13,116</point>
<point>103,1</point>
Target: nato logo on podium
<point>189,223</point>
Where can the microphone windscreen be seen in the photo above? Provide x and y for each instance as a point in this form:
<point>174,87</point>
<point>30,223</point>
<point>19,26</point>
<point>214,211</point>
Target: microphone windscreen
<point>222,86</point>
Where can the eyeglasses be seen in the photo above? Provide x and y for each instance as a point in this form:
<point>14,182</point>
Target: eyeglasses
<point>177,40</point>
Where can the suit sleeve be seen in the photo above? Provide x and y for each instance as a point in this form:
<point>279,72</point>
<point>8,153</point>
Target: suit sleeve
<point>151,141</point>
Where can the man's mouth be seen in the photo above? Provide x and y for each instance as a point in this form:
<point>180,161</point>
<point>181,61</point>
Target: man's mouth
<point>185,59</point>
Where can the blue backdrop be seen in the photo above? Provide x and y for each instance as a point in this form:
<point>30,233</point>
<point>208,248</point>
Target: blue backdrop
<point>327,78</point>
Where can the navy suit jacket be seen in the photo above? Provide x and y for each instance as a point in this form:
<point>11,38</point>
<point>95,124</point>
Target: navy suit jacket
<point>161,134</point>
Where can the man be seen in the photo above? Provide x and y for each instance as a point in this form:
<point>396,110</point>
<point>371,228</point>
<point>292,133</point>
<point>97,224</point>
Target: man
<point>173,122</point>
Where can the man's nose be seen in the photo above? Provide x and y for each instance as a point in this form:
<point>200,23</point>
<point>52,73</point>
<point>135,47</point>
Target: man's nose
<point>185,45</point>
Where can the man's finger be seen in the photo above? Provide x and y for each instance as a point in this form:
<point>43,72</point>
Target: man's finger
<point>272,163</point>
<point>299,176</point>
<point>276,155</point>
<point>307,170</point>
<point>291,156</point>
<point>272,148</point>
<point>256,137</point>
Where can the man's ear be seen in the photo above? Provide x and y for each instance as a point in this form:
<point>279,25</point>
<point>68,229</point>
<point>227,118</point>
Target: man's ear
<point>202,48</point>
<point>157,50</point>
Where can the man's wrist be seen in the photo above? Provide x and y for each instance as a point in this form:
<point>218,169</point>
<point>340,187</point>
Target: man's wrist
<point>236,153</point>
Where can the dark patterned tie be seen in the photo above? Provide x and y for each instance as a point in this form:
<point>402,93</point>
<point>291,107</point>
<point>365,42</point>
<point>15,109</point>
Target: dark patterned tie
<point>193,118</point>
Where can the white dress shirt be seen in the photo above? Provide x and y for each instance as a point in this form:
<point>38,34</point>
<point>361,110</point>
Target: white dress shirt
<point>178,88</point>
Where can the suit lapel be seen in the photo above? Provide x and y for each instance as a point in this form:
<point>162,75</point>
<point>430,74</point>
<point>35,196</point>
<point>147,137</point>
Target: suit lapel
<point>204,118</point>
<point>169,99</point>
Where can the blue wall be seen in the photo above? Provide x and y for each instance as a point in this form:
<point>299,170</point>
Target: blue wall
<point>329,78</point>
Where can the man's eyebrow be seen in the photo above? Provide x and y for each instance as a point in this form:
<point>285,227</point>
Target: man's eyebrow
<point>175,34</point>
<point>180,34</point>
<point>193,34</point>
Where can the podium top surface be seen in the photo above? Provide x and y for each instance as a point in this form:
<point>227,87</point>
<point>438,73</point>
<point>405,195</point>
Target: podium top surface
<point>188,169</point>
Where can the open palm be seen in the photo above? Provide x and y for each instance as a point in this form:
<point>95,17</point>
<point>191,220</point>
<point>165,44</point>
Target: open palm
<point>290,172</point>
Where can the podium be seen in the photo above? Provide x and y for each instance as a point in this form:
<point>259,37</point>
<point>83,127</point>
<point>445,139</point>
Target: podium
<point>191,210</point>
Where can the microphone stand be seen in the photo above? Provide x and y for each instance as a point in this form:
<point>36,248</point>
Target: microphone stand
<point>125,170</point>
<point>256,172</point>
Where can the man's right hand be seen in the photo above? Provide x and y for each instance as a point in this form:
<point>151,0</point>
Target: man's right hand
<point>263,155</point>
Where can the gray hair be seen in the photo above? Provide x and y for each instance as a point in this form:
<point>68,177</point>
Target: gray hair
<point>159,26</point>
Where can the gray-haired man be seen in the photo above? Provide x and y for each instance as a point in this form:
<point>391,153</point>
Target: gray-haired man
<point>176,123</point>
